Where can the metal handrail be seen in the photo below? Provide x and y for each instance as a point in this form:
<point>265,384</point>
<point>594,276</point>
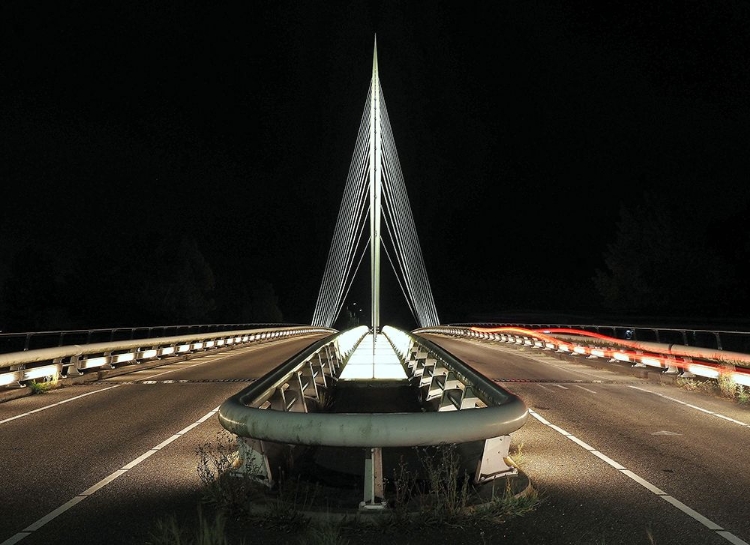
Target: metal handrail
<point>20,341</point>
<point>717,338</point>
<point>506,413</point>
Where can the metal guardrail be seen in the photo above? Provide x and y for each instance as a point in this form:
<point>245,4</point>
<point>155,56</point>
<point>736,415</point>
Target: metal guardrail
<point>74,360</point>
<point>263,416</point>
<point>33,340</point>
<point>719,339</point>
<point>687,361</point>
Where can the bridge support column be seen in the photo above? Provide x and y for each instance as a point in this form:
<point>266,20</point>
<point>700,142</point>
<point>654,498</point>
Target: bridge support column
<point>373,480</point>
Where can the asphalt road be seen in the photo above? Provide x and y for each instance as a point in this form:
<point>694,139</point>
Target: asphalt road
<point>617,459</point>
<point>620,459</point>
<point>102,445</point>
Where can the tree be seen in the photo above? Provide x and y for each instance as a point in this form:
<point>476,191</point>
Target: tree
<point>662,262</point>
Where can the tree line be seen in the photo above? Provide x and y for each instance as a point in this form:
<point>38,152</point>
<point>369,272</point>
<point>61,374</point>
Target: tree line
<point>152,279</point>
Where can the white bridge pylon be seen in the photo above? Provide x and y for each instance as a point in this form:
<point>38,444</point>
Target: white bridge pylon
<point>375,189</point>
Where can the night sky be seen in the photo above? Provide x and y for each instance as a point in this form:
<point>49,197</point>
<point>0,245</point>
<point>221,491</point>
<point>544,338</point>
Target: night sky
<point>524,130</point>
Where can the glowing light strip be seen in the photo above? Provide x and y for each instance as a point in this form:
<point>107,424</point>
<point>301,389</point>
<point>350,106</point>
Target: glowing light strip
<point>649,360</point>
<point>38,372</point>
<point>9,378</point>
<point>94,362</point>
<point>703,370</point>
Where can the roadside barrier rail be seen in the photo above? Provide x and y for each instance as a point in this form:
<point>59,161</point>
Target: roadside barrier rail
<point>686,361</point>
<point>16,368</point>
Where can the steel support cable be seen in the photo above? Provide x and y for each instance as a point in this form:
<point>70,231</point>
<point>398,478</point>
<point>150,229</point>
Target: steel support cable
<point>398,267</point>
<point>348,277</point>
<point>345,241</point>
<point>346,234</point>
<point>401,209</point>
<point>340,246</point>
<point>392,211</point>
<point>396,240</point>
<point>355,209</point>
<point>392,228</point>
<point>395,212</point>
<point>351,280</point>
<point>424,299</point>
<point>406,297</point>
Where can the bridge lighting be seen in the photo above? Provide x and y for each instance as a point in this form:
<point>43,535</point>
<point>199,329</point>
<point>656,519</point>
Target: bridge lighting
<point>741,378</point>
<point>8,378</point>
<point>120,358</point>
<point>94,362</point>
<point>703,370</point>
<point>39,372</point>
<point>651,360</point>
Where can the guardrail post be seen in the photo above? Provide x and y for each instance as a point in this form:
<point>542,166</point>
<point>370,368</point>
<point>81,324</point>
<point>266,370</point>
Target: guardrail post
<point>373,480</point>
<point>492,464</point>
<point>252,461</point>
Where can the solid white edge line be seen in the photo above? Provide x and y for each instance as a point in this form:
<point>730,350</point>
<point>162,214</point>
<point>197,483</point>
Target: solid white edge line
<point>101,484</point>
<point>731,538</point>
<point>607,459</point>
<point>656,491</point>
<point>166,442</point>
<point>711,525</point>
<point>49,516</point>
<point>104,482</point>
<point>643,482</point>
<point>16,538</point>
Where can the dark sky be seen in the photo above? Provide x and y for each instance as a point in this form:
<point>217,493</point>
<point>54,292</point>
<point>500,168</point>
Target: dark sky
<point>522,129</point>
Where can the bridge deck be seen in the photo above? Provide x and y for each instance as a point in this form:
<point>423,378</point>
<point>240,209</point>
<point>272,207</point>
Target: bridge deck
<point>378,362</point>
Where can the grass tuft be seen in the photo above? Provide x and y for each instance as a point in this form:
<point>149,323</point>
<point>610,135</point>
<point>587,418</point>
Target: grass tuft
<point>44,386</point>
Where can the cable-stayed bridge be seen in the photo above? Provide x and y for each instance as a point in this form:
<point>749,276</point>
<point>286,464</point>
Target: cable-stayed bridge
<point>610,437</point>
<point>375,190</point>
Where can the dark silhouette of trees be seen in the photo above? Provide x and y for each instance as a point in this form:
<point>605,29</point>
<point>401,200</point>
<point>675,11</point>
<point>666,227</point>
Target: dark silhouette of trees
<point>156,278</point>
<point>665,260</point>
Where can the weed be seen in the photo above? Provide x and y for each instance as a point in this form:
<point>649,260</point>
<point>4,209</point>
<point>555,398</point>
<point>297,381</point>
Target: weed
<point>727,385</point>
<point>167,531</point>
<point>447,491</point>
<point>282,516</point>
<point>324,534</point>
<point>225,485</point>
<point>517,454</point>
<point>42,387</point>
<point>695,385</point>
<point>743,394</point>
<point>405,489</point>
<point>502,507</point>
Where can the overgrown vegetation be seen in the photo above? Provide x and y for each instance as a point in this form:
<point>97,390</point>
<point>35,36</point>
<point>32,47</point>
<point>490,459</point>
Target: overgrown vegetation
<point>436,494</point>
<point>210,531</point>
<point>44,386</point>
<point>724,386</point>
<point>445,494</point>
